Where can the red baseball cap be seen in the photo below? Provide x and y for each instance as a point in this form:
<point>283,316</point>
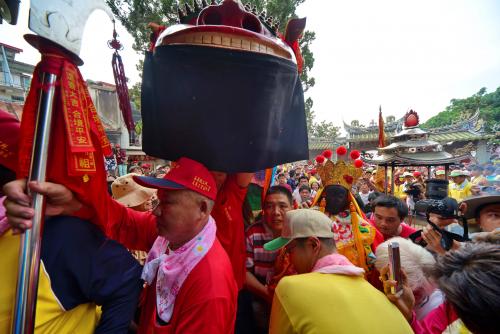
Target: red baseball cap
<point>185,173</point>
<point>10,129</point>
<point>417,173</point>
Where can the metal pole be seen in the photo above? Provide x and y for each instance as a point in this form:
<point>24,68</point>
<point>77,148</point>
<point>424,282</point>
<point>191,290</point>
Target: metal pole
<point>392,179</point>
<point>386,179</point>
<point>31,240</point>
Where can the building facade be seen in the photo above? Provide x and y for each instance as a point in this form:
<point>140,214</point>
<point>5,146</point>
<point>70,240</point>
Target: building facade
<point>15,80</point>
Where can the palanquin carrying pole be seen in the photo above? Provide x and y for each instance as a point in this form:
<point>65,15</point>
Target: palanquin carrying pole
<point>59,27</point>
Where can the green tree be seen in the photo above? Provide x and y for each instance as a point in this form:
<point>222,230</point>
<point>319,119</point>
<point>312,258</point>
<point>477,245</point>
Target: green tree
<point>310,115</point>
<point>135,95</point>
<point>324,129</point>
<point>458,110</point>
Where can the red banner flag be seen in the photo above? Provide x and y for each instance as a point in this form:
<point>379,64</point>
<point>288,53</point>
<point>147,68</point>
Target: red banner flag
<point>381,132</point>
<point>78,142</point>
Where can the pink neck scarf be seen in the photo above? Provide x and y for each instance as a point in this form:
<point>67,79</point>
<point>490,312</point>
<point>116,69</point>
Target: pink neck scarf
<point>337,264</point>
<point>172,268</point>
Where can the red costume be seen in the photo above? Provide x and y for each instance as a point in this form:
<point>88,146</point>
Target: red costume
<point>206,302</point>
<point>228,216</point>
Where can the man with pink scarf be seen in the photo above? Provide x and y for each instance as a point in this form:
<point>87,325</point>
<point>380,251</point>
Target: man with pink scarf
<point>190,286</point>
<point>329,294</point>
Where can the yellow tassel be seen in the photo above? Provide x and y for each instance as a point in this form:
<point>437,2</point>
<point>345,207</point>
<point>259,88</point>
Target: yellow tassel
<point>357,233</point>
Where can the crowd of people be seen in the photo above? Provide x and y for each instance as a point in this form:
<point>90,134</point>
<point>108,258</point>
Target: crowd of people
<point>465,180</point>
<point>313,260</point>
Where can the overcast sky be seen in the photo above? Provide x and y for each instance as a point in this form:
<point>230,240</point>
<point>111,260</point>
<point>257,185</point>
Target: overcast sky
<point>395,53</point>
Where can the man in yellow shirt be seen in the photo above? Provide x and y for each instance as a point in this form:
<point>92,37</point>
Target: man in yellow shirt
<point>460,188</point>
<point>477,176</point>
<point>330,294</point>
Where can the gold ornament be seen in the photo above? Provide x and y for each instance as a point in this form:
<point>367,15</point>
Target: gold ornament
<point>379,179</point>
<point>339,173</point>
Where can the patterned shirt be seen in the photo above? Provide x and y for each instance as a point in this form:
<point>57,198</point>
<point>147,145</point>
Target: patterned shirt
<point>259,261</point>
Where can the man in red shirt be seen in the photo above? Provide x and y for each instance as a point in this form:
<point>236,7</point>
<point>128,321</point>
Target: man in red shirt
<point>388,217</point>
<point>228,215</point>
<point>191,287</point>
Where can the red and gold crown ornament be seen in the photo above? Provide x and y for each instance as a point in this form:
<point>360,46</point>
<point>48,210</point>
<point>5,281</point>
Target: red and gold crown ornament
<point>345,172</point>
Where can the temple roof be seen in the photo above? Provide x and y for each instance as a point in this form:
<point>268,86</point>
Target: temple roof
<point>439,137</point>
<point>416,159</point>
<point>323,144</point>
<point>468,129</point>
<point>410,143</point>
<point>415,131</point>
<point>473,123</point>
<point>392,127</point>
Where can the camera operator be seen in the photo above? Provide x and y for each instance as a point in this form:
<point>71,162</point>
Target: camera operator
<point>441,211</point>
<point>414,193</point>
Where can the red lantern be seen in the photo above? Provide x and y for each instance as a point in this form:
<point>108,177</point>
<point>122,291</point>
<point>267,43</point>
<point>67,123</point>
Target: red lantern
<point>355,154</point>
<point>327,154</point>
<point>320,159</point>
<point>358,163</point>
<point>341,150</point>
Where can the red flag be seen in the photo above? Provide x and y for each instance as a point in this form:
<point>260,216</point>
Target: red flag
<point>381,132</point>
<point>268,181</point>
<point>78,141</point>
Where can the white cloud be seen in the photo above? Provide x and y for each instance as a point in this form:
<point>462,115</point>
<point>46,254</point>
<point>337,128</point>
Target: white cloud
<point>400,54</point>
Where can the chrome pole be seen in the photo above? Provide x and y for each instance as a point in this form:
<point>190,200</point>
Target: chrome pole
<point>392,179</point>
<point>386,179</point>
<point>31,240</point>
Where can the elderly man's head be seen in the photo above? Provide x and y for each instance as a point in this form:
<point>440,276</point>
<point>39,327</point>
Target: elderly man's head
<point>307,236</point>
<point>186,197</point>
<point>181,214</point>
<point>415,261</point>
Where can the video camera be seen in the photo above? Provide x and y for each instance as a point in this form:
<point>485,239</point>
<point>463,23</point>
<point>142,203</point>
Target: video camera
<point>414,190</point>
<point>438,202</point>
